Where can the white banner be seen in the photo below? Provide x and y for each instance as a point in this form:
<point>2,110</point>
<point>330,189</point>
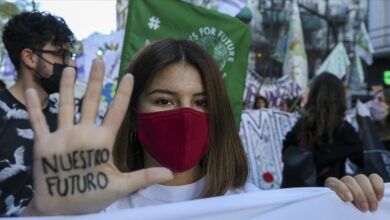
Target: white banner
<point>275,92</point>
<point>293,203</point>
<point>262,133</point>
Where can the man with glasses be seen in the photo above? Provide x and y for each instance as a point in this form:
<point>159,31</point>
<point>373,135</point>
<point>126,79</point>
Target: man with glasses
<point>39,45</point>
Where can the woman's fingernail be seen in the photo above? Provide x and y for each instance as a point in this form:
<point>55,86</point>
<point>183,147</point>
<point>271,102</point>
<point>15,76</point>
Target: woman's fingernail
<point>363,206</point>
<point>373,206</point>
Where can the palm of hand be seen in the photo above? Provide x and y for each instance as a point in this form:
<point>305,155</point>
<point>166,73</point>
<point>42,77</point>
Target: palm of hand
<point>76,167</point>
<point>73,167</point>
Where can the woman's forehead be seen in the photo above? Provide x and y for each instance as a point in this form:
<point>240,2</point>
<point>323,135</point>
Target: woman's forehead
<point>177,75</point>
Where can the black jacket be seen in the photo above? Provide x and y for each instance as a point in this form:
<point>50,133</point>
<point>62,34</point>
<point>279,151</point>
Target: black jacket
<point>330,159</point>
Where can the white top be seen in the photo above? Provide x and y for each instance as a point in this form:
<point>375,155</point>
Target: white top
<point>162,194</point>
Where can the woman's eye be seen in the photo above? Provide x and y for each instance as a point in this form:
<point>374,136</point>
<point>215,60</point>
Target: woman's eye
<point>163,102</point>
<point>201,103</point>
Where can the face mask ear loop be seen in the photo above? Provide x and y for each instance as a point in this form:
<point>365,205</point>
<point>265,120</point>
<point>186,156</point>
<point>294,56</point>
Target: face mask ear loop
<point>133,132</point>
<point>133,136</point>
<point>134,143</point>
<point>133,126</point>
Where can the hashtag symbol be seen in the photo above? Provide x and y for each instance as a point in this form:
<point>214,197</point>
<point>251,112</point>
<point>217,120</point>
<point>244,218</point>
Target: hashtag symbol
<point>154,23</point>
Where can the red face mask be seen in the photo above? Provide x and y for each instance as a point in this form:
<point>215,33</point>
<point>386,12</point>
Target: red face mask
<point>177,139</point>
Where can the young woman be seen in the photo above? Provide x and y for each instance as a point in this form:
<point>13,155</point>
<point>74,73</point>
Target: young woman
<point>179,117</point>
<point>323,129</point>
<point>379,110</point>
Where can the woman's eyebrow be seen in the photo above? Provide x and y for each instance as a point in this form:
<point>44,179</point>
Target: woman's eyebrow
<point>200,94</point>
<point>163,91</point>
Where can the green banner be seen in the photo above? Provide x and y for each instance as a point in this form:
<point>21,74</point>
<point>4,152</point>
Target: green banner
<point>226,38</point>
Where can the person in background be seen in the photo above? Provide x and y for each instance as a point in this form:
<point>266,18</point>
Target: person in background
<point>39,45</point>
<point>260,102</point>
<point>322,129</point>
<point>379,110</point>
<point>285,105</point>
<point>172,125</point>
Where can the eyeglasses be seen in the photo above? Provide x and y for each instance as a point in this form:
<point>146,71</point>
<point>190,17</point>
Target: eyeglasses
<point>65,54</point>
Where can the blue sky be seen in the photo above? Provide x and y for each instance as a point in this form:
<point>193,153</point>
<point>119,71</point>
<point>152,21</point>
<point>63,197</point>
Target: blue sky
<point>84,16</point>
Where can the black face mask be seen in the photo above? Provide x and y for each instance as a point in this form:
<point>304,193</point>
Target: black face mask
<point>52,84</point>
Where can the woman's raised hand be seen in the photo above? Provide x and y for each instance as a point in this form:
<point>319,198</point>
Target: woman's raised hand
<point>73,167</point>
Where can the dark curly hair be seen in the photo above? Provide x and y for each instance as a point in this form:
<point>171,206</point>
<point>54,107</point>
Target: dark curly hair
<point>34,30</point>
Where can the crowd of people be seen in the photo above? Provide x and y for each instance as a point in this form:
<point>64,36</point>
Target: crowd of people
<point>323,129</point>
<point>168,136</point>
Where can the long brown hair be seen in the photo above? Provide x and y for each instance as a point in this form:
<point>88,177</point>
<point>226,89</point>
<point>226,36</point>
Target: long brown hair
<point>225,163</point>
<point>325,110</point>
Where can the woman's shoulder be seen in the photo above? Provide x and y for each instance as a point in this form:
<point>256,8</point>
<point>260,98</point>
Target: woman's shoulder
<point>347,136</point>
<point>347,128</point>
<point>291,137</point>
<point>247,188</point>
<point>347,125</point>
